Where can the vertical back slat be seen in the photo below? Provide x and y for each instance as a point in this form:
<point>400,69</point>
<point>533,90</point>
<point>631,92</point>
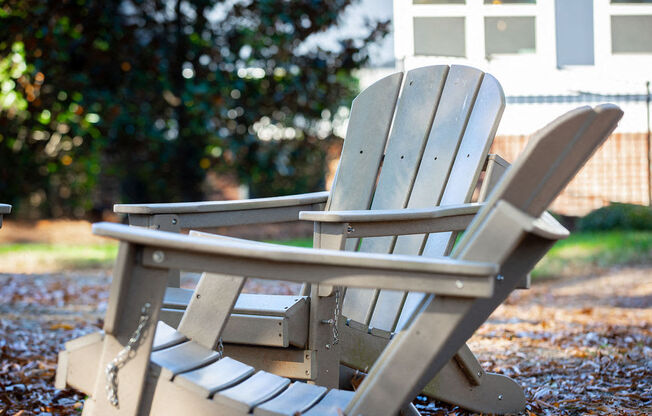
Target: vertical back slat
<point>371,117</point>
<point>479,135</point>
<point>414,114</point>
<point>560,173</point>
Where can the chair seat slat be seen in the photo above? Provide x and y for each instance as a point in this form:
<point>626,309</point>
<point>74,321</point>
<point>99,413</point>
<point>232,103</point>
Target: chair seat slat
<point>214,377</point>
<point>333,404</point>
<point>296,399</point>
<point>183,357</point>
<point>255,390</point>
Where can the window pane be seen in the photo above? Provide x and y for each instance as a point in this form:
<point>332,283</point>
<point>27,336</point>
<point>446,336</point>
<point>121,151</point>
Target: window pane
<point>631,34</point>
<point>439,36</point>
<point>574,26</point>
<point>509,35</point>
<point>510,1</point>
<point>438,1</point>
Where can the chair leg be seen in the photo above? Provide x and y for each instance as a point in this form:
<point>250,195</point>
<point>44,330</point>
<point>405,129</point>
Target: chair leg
<point>136,296</point>
<point>451,321</point>
<point>398,375</point>
<point>462,381</point>
<point>494,394</point>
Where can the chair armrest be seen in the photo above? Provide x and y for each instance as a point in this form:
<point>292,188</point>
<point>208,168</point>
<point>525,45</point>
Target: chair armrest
<point>546,226</point>
<point>376,223</point>
<point>221,206</point>
<point>383,215</point>
<point>443,276</point>
<point>4,209</point>
<point>185,215</point>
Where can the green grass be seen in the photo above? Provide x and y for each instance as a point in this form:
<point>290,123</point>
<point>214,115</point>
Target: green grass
<point>588,252</point>
<point>581,253</point>
<point>41,258</point>
<point>296,242</point>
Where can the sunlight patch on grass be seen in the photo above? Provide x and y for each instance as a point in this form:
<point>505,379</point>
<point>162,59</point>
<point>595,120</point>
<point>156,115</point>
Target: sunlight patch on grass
<point>50,258</point>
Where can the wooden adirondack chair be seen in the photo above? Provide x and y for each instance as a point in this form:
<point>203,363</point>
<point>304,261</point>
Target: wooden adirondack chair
<point>443,124</point>
<point>4,210</point>
<point>163,373</point>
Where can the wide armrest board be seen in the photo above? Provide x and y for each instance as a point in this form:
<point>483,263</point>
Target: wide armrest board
<point>297,255</point>
<point>5,209</point>
<point>351,269</point>
<point>546,226</point>
<point>221,206</point>
<point>407,214</point>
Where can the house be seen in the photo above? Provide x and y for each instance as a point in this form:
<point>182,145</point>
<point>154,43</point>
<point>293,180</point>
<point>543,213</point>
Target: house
<point>550,56</point>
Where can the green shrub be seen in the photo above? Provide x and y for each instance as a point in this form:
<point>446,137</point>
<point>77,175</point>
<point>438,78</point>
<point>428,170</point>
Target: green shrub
<point>618,217</point>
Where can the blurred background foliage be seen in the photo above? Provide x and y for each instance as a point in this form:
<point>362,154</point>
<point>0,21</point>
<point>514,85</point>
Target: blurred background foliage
<point>136,100</point>
<point>618,216</point>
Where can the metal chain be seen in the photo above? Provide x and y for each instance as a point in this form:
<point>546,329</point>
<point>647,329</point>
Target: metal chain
<point>336,315</point>
<point>122,357</point>
<point>220,348</point>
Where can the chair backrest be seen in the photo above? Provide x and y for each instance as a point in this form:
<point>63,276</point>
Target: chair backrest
<point>510,231</point>
<point>417,144</point>
<point>551,159</point>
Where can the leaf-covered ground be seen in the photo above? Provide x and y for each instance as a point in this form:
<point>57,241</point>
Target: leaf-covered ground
<point>578,346</point>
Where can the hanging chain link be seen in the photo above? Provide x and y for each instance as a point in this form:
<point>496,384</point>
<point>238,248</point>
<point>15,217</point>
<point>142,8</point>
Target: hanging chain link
<point>220,348</point>
<point>122,357</point>
<point>336,315</point>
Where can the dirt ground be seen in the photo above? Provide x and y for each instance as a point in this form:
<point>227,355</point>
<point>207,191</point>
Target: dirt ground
<point>578,346</point>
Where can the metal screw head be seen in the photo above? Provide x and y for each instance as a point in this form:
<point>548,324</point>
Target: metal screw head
<point>500,277</point>
<point>459,284</point>
<point>349,229</point>
<point>479,373</point>
<point>500,397</point>
<point>328,346</point>
<point>158,256</point>
<point>174,221</point>
<point>197,295</point>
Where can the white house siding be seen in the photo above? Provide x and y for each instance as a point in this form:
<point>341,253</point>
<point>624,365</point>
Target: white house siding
<point>537,88</point>
<point>539,85</point>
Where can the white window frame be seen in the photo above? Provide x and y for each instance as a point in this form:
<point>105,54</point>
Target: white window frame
<point>603,10</point>
<point>474,11</point>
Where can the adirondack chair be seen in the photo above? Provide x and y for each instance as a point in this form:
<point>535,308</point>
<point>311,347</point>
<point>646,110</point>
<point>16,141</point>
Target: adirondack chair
<point>162,372</point>
<point>443,125</point>
<point>4,210</point>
